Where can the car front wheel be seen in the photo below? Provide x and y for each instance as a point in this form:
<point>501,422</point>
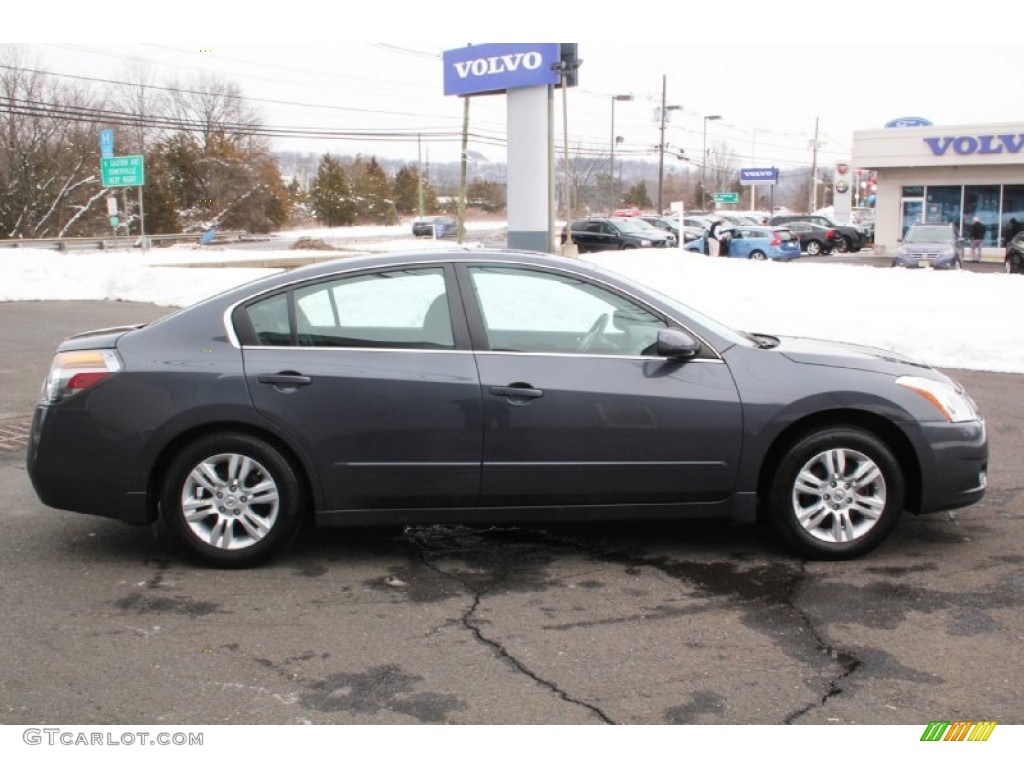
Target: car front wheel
<point>837,494</point>
<point>843,245</point>
<point>232,500</point>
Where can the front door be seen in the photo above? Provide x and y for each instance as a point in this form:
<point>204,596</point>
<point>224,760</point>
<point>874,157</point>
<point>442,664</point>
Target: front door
<point>577,407</point>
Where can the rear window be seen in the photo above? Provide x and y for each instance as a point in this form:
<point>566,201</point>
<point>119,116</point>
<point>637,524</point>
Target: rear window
<point>785,235</point>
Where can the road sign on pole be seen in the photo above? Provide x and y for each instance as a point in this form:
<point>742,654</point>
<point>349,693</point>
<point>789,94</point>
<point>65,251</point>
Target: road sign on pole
<point>127,171</point>
<point>107,142</point>
<point>727,197</point>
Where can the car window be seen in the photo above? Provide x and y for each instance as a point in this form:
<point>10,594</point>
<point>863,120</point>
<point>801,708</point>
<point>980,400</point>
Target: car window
<point>535,311</point>
<point>407,309</point>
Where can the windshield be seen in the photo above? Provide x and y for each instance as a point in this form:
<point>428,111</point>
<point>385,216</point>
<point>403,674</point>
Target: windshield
<point>936,234</point>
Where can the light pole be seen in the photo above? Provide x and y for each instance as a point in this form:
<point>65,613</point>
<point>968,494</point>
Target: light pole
<point>611,164</point>
<point>661,145</point>
<point>704,162</point>
<point>564,69</point>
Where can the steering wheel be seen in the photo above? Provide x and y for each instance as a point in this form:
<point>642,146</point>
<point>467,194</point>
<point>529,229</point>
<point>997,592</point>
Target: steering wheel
<point>595,331</point>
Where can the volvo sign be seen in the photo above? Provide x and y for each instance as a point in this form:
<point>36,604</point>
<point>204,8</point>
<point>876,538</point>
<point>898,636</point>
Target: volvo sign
<point>497,67</point>
<point>986,144</point>
<point>750,176</point>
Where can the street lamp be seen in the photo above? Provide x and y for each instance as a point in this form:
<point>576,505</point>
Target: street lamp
<point>704,162</point>
<point>615,140</point>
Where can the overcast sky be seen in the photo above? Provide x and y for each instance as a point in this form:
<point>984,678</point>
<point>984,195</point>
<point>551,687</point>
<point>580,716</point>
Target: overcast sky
<point>770,70</point>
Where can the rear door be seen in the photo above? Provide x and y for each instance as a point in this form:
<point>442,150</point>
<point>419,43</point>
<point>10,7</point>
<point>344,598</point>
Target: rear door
<point>371,374</point>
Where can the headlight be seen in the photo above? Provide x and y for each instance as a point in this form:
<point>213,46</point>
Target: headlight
<point>645,243</point>
<point>952,401</point>
<point>901,251</point>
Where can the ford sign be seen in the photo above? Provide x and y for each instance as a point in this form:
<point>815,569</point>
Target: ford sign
<point>496,67</point>
<point>908,122</point>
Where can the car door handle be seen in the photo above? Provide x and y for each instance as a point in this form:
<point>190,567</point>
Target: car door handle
<point>524,391</point>
<point>285,379</point>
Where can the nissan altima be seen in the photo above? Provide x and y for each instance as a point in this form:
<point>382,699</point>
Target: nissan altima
<point>486,387</point>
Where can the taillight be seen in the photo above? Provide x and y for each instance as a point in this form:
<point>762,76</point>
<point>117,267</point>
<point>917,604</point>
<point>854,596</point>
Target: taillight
<point>830,235</point>
<point>74,372</point>
<point>776,238</point>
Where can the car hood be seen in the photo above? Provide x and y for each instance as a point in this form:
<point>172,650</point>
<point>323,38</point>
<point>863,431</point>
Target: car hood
<point>837,354</point>
<point>910,248</point>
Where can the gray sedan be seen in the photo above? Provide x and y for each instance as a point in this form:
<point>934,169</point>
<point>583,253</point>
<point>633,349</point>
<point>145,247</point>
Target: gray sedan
<point>482,387</point>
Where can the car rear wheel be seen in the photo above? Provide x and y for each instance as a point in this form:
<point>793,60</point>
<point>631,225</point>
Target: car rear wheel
<point>231,500</point>
<point>837,493</point>
<point>758,255</point>
<point>814,248</point>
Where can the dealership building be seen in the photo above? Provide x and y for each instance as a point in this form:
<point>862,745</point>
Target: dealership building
<point>945,174</point>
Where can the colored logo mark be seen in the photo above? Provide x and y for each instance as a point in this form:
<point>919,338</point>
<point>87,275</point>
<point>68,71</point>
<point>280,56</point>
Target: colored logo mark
<point>958,730</point>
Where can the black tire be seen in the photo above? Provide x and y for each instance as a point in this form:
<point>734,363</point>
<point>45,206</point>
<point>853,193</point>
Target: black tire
<point>836,494</point>
<point>814,248</point>
<point>757,255</point>
<point>245,498</point>
<point>627,247</point>
<point>843,245</point>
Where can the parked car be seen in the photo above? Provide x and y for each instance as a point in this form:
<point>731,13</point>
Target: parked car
<point>600,233</point>
<point>487,387</point>
<point>930,245</point>
<point>851,237</point>
<point>759,243</point>
<point>659,226</point>
<point>1014,260</point>
<point>435,226</point>
<point>815,239</point>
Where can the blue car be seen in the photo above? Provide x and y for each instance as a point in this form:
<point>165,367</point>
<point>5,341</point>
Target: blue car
<point>930,245</point>
<point>753,242</point>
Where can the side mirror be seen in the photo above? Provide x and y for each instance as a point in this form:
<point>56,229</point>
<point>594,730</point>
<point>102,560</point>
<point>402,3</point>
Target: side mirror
<point>675,343</point>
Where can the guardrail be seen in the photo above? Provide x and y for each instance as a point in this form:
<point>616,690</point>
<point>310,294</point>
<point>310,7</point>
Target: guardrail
<point>108,242</point>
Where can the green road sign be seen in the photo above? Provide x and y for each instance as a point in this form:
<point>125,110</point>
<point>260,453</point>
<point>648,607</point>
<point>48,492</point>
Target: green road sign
<point>727,197</point>
<point>127,171</point>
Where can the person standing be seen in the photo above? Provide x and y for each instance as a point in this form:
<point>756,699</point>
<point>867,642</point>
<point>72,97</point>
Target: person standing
<point>712,237</point>
<point>977,233</point>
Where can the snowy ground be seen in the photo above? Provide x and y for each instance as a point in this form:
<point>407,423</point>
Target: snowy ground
<point>948,319</point>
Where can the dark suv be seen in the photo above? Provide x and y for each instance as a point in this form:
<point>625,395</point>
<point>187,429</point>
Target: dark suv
<point>613,234</point>
<point>851,238</point>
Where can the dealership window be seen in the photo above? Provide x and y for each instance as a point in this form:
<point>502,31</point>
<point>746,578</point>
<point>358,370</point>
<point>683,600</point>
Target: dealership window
<point>1013,211</point>
<point>983,201</point>
<point>943,204</point>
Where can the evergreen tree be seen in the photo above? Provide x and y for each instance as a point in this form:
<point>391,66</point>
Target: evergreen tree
<point>373,192</point>
<point>638,196</point>
<point>331,195</point>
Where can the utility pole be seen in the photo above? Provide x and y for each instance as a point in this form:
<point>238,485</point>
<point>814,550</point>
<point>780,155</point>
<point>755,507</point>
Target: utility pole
<point>661,144</point>
<point>461,229</point>
<point>419,171</point>
<point>814,169</point>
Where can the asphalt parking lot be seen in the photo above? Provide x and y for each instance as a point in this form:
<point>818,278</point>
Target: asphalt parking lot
<point>627,623</point>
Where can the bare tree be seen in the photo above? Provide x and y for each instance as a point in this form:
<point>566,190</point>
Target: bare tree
<point>49,155</point>
<point>143,102</point>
